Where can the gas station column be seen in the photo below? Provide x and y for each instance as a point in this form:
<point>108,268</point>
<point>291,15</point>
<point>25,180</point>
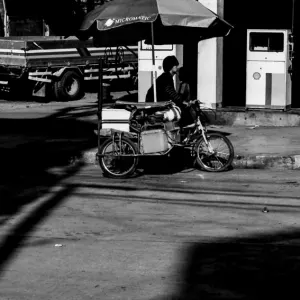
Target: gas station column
<point>210,62</point>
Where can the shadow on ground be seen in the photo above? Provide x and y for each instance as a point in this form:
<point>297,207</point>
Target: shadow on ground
<point>31,145</point>
<point>29,148</point>
<point>256,267</point>
<point>179,160</point>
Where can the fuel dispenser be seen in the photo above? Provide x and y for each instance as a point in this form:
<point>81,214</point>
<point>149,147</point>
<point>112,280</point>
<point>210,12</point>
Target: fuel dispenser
<point>145,64</point>
<point>269,62</point>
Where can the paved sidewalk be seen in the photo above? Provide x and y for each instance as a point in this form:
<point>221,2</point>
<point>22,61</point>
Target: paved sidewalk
<point>265,147</point>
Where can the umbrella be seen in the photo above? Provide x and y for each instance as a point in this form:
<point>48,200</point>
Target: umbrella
<point>125,22</point>
<point>120,22</point>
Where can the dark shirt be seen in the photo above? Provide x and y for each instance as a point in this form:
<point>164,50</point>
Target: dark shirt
<point>165,90</point>
<point>184,91</point>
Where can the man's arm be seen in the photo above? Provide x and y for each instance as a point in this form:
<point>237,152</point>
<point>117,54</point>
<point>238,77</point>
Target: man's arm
<point>172,94</point>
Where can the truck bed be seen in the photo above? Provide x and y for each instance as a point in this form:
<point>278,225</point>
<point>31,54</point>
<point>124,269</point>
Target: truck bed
<point>54,51</point>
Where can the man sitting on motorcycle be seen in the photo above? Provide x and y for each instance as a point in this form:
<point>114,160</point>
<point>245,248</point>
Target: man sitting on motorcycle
<point>165,89</point>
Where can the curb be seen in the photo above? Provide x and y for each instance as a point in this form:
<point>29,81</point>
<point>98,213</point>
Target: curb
<point>255,118</point>
<point>270,162</point>
<point>89,157</point>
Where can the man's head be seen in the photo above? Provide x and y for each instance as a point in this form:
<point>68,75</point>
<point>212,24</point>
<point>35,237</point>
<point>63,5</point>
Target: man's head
<point>170,64</point>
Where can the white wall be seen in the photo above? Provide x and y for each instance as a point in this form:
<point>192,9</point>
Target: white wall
<point>208,89</point>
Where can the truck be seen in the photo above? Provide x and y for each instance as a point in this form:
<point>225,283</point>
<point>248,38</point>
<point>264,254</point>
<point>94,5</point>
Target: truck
<point>41,56</point>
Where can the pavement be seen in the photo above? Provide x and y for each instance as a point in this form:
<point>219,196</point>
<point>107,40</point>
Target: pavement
<point>72,234</point>
<point>258,147</point>
<point>50,134</point>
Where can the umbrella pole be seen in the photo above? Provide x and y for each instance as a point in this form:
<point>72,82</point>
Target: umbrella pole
<point>100,101</point>
<point>153,63</point>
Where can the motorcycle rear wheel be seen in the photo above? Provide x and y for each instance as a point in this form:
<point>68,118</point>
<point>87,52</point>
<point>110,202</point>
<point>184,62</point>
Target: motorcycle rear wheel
<point>222,156</point>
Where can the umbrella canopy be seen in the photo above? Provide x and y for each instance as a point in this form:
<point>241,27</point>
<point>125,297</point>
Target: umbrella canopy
<point>122,22</point>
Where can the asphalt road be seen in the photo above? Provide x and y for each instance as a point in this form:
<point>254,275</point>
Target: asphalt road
<point>69,233</point>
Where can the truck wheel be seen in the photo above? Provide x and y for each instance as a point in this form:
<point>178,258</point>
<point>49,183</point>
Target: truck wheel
<point>68,87</point>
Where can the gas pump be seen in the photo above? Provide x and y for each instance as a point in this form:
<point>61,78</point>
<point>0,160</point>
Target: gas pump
<point>145,64</point>
<point>269,64</point>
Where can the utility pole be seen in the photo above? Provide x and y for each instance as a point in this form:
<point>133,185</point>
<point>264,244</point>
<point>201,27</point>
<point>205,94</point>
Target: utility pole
<point>5,21</point>
<point>292,36</point>
<point>293,17</point>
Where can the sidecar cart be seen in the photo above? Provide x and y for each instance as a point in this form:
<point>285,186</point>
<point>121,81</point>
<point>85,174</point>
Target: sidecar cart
<point>129,130</point>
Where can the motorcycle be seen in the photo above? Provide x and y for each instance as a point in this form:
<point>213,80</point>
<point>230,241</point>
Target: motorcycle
<point>155,130</point>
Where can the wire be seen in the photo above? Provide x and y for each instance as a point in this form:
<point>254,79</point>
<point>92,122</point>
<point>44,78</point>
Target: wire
<point>293,16</point>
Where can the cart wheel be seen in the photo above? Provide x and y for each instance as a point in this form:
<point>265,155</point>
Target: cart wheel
<point>221,157</point>
<point>68,87</point>
<point>115,166</point>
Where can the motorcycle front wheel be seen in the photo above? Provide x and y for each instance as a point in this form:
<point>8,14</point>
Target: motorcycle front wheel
<point>221,156</point>
<point>112,164</point>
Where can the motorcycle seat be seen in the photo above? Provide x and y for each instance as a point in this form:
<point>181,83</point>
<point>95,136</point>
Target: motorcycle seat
<point>142,105</point>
